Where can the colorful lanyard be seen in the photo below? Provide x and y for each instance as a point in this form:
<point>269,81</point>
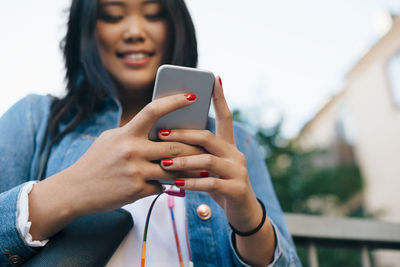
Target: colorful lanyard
<point>146,227</point>
<point>171,204</point>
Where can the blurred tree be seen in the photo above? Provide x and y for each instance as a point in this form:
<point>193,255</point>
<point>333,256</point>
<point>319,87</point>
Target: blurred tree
<point>302,187</point>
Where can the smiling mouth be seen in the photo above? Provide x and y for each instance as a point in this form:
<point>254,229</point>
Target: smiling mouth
<point>135,55</point>
<point>135,59</point>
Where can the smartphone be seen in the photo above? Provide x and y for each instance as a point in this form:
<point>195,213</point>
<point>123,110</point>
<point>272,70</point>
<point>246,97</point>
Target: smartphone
<point>172,80</point>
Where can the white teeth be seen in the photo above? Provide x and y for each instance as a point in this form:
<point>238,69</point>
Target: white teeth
<point>136,56</point>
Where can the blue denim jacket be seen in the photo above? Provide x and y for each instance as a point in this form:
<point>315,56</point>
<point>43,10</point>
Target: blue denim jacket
<point>22,130</point>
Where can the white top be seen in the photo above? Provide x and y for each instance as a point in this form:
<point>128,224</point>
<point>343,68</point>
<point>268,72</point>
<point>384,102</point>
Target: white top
<point>160,247</point>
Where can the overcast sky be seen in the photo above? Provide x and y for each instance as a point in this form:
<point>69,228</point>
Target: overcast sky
<point>275,57</point>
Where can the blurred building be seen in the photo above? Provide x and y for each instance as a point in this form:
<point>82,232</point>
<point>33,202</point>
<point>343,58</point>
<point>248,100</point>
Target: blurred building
<point>362,124</point>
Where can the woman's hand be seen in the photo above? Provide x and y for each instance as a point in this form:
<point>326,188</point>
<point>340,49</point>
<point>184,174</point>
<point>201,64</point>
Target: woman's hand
<point>225,177</point>
<point>122,162</point>
<point>119,168</point>
<point>228,182</point>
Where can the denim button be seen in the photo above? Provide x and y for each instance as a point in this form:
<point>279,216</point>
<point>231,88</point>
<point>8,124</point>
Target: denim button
<point>204,212</point>
<point>14,259</point>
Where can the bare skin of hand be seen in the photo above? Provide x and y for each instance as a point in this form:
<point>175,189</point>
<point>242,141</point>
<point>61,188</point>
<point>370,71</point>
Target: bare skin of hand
<point>117,169</point>
<point>228,183</point>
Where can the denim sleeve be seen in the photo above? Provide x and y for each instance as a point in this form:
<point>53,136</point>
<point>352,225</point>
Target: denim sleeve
<point>264,190</point>
<point>21,133</point>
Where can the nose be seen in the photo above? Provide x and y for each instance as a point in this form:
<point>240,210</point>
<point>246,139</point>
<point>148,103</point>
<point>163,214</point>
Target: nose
<point>134,31</point>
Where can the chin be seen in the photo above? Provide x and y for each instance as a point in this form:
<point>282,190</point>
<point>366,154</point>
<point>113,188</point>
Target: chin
<point>138,85</point>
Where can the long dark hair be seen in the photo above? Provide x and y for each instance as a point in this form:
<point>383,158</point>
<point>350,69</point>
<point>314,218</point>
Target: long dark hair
<point>88,82</point>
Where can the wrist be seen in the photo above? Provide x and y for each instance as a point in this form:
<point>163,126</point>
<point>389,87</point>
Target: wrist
<point>247,217</point>
<point>51,207</point>
<point>256,229</point>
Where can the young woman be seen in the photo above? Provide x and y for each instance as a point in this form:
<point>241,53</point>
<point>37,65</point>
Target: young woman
<point>101,159</point>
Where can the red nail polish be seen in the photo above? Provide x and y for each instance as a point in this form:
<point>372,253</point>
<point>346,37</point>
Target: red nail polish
<point>180,182</point>
<point>204,173</point>
<point>165,132</point>
<point>190,96</point>
<point>220,81</point>
<point>167,162</point>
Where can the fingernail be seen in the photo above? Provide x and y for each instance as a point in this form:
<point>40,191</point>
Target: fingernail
<point>167,162</point>
<point>220,81</point>
<point>190,96</point>
<point>180,182</point>
<point>165,132</point>
<point>204,173</point>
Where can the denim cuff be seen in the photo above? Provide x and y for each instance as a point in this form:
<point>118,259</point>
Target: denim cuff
<point>282,253</point>
<point>11,241</point>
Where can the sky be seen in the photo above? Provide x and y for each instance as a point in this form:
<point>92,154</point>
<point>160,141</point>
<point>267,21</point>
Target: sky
<point>276,58</point>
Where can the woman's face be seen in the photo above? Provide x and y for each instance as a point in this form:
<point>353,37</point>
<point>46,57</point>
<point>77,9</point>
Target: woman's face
<point>132,39</point>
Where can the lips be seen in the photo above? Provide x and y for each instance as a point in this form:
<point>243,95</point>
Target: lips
<point>135,58</point>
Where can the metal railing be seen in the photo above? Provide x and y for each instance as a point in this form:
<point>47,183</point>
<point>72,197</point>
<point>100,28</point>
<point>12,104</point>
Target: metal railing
<point>310,231</point>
